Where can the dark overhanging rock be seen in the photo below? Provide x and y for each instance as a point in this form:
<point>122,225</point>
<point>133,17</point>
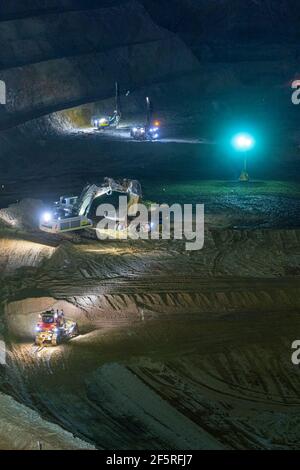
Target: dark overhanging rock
<point>46,86</point>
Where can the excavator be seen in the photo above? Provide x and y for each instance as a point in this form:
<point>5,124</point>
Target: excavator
<point>72,213</point>
<point>104,122</point>
<point>150,130</point>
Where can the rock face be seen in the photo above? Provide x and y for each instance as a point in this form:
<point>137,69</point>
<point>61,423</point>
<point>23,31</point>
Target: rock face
<point>60,54</point>
<point>28,8</point>
<point>69,58</point>
<point>250,20</point>
<point>15,254</point>
<point>51,36</point>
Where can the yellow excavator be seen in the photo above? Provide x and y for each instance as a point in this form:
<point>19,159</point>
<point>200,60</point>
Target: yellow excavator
<point>104,122</point>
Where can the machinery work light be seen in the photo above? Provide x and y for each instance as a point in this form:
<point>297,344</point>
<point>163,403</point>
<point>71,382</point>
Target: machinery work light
<point>243,142</point>
<point>47,216</point>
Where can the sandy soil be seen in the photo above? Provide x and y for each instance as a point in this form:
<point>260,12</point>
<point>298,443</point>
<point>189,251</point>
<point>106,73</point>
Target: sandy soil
<point>23,429</point>
<point>177,350</point>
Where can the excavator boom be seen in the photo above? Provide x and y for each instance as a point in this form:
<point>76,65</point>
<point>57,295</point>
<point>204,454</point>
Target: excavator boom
<point>74,215</point>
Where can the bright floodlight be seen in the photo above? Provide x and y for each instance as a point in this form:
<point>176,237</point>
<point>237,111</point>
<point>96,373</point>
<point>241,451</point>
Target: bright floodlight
<point>47,217</point>
<point>243,142</point>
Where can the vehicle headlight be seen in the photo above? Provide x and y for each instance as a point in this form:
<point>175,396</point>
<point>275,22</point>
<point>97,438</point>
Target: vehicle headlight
<point>47,217</point>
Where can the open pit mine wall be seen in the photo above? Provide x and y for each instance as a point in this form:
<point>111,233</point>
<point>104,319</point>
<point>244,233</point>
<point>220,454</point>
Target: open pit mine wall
<point>55,55</point>
<point>52,62</point>
<point>53,59</point>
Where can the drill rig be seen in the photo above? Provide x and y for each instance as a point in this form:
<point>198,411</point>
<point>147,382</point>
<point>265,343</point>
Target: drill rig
<point>72,213</point>
<point>104,122</point>
<point>148,131</point>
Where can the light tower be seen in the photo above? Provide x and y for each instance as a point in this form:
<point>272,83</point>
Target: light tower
<point>243,142</point>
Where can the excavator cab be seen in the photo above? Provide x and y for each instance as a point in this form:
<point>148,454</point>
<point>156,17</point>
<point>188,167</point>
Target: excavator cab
<point>47,318</point>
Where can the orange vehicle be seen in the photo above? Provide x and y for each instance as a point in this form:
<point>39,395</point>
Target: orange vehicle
<point>52,329</point>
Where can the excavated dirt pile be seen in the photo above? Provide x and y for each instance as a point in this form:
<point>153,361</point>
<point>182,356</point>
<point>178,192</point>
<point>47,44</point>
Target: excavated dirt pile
<point>23,215</point>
